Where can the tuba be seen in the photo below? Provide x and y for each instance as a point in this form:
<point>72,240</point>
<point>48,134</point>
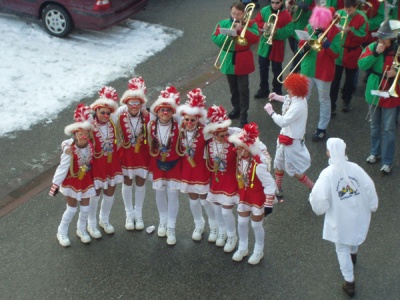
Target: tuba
<point>271,27</point>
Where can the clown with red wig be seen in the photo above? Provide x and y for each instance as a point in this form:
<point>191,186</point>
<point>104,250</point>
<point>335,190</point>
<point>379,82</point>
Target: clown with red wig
<point>73,176</point>
<point>292,154</point>
<point>165,160</point>
<point>318,65</point>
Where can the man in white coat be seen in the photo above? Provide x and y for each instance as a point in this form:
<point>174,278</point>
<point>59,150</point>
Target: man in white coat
<point>346,195</point>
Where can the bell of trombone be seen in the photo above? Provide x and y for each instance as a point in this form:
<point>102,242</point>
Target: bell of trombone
<point>241,40</point>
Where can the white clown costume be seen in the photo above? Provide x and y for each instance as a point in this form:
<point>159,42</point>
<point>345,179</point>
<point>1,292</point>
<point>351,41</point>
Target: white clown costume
<point>346,194</point>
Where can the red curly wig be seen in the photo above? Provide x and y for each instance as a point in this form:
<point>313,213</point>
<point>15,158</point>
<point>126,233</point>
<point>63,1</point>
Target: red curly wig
<point>297,84</point>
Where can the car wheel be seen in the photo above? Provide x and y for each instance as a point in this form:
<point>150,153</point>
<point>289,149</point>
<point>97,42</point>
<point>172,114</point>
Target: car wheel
<point>57,20</point>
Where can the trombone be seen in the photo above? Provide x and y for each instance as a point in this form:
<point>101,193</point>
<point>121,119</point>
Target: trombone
<point>240,40</point>
<point>316,45</point>
<point>271,27</point>
<point>392,91</point>
<point>380,88</point>
<point>294,8</point>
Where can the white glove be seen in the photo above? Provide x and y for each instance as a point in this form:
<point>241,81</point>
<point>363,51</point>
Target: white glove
<point>276,97</point>
<point>269,109</point>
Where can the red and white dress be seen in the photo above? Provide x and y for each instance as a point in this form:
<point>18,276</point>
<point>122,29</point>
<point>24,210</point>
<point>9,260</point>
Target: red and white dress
<point>221,161</point>
<point>195,175</point>
<point>165,161</point>
<point>74,174</point>
<point>106,165</point>
<point>255,182</point>
<point>134,151</point>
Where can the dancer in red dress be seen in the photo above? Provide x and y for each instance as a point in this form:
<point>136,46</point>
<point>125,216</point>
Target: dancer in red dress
<point>195,175</point>
<point>107,171</point>
<point>221,161</point>
<point>165,161</point>
<point>256,190</point>
<point>73,176</point>
<point>133,119</point>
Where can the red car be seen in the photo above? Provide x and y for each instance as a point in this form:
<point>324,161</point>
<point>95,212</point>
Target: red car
<point>61,16</point>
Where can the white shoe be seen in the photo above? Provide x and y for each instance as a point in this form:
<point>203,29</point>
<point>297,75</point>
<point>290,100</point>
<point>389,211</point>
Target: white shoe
<point>63,240</point>
<point>221,239</point>
<point>386,169</point>
<point>139,224</point>
<point>239,254</point>
<point>108,228</point>
<point>197,234</point>
<point>255,258</point>
<point>129,224</point>
<point>94,232</point>
<point>171,238</point>
<point>372,159</point>
<point>230,244</point>
<point>162,230</point>
<point>84,236</point>
<point>212,237</point>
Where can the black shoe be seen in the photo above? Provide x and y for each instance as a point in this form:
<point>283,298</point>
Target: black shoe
<point>349,288</point>
<point>261,94</point>
<point>242,123</point>
<point>346,108</point>
<point>319,135</point>
<point>234,114</point>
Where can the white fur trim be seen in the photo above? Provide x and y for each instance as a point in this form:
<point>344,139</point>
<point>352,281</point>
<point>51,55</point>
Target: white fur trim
<point>163,101</point>
<point>213,127</point>
<point>70,129</point>
<point>139,93</point>
<point>186,109</point>
<point>253,149</point>
<point>104,102</point>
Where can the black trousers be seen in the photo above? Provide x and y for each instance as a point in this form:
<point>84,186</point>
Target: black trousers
<point>348,86</point>
<point>240,94</point>
<point>263,64</point>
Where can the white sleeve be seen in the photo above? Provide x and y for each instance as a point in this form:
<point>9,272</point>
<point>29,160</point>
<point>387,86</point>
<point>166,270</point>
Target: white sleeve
<point>319,197</point>
<point>292,114</point>
<point>266,179</point>
<point>62,169</point>
<point>370,190</point>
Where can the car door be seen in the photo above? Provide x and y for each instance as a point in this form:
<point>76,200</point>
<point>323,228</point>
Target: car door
<point>26,7</point>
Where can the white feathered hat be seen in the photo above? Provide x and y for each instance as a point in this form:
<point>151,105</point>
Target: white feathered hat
<point>247,138</point>
<point>83,120</point>
<point>136,90</point>
<point>218,120</point>
<point>195,105</point>
<point>108,97</point>
<point>168,98</point>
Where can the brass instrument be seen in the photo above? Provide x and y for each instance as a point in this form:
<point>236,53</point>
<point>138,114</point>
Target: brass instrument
<point>396,64</point>
<point>294,8</point>
<point>346,23</point>
<point>315,45</point>
<point>380,88</point>
<point>240,40</point>
<point>217,64</point>
<point>366,7</point>
<point>270,31</point>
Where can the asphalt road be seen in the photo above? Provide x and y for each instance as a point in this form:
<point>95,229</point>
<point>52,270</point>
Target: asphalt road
<point>298,264</point>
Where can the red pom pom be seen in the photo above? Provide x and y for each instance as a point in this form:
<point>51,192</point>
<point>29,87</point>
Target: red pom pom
<point>82,113</point>
<point>196,98</point>
<point>109,93</point>
<point>250,133</point>
<point>137,83</point>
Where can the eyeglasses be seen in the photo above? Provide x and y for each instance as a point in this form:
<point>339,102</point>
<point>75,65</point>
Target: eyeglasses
<point>191,120</point>
<point>276,2</point>
<point>104,113</point>
<point>134,103</point>
<point>166,110</point>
